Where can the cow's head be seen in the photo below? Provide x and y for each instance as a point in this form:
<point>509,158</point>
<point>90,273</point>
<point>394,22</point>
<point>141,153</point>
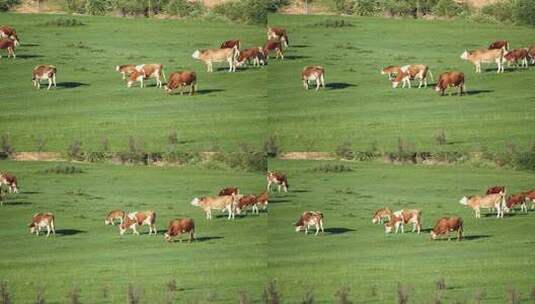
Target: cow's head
<point>438,88</point>
<point>464,201</point>
<point>32,227</point>
<point>195,202</point>
<point>389,227</point>
<point>117,68</point>
<point>196,54</point>
<point>298,227</point>
<point>375,219</point>
<point>465,55</point>
<point>395,84</point>
<point>167,237</point>
<point>433,235</point>
<point>15,39</point>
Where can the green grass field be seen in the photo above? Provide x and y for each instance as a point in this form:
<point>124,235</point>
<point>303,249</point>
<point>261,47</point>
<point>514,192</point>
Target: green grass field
<point>360,106</point>
<point>93,103</point>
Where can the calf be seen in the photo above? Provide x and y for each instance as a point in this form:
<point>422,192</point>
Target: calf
<point>132,220</point>
<point>392,71</point>
<point>409,72</point>
<point>229,44</point>
<point>262,200</point>
<point>449,80</point>
<point>279,34</point>
<point>404,216</point>
<point>10,181</point>
<point>44,72</point>
<point>516,199</point>
<point>42,220</point>
<point>211,56</point>
<point>181,79</point>
<point>273,46</point>
<point>308,219</point>
<point>495,189</point>
<point>530,197</point>
<point>9,45</point>
<point>499,44</point>
<point>315,74</point>
<point>178,226</point>
<point>445,225</point>
<point>516,55</point>
<point>277,178</point>
<point>114,215</point>
<point>7,31</point>
<point>381,214</point>
<point>495,200</point>
<point>208,203</point>
<point>531,53</point>
<point>254,54</point>
<point>246,201</point>
<point>125,69</point>
<point>478,57</point>
<point>146,71</point>
<point>229,191</point>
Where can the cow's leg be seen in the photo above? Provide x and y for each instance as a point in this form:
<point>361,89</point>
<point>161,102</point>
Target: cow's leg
<point>49,83</point>
<point>54,80</point>
<point>306,229</point>
<point>39,83</point>
<point>47,230</point>
<point>285,188</point>
<point>318,83</point>
<point>317,229</point>
<point>141,85</point>
<point>305,84</point>
<point>269,186</point>
<point>280,186</point>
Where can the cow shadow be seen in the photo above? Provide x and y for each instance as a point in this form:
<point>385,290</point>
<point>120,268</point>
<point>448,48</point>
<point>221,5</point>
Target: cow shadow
<point>208,91</point>
<point>70,84</point>
<point>426,230</point>
<point>295,57</point>
<point>475,237</point>
<point>207,238</point>
<point>16,203</point>
<point>338,230</point>
<point>339,85</point>
<point>298,190</point>
<point>30,44</point>
<point>476,92</point>
<point>299,46</point>
<point>28,56</point>
<point>68,232</point>
<point>30,192</point>
<point>278,201</point>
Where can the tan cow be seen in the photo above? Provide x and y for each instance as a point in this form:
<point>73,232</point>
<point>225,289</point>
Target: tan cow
<point>381,214</point>
<point>445,225</point>
<point>404,216</point>
<point>125,69</point>
<point>517,55</point>
<point>10,181</point>
<point>531,53</point>
<point>178,226</point>
<point>43,220</point>
<point>207,203</point>
<point>211,56</point>
<point>114,215</point>
<point>450,80</point>
<point>146,71</point>
<point>392,71</point>
<point>44,72</point>
<point>132,220</point>
<point>180,80</point>
<point>530,197</point>
<point>277,178</point>
<point>279,34</point>
<point>9,45</point>
<point>409,72</point>
<point>495,200</point>
<point>245,201</point>
<point>308,219</point>
<point>480,56</point>
<point>262,200</point>
<point>255,54</point>
<point>315,74</point>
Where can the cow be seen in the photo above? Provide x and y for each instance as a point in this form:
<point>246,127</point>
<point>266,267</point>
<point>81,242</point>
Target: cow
<point>450,80</point>
<point>404,216</point>
<point>255,54</point>
<point>531,53</point>
<point>315,74</point>
<point>273,46</point>
<point>495,189</point>
<point>277,178</point>
<point>178,226</point>
<point>180,79</point>
<point>210,56</point>
<point>530,197</point>
<point>229,44</point>
<point>500,44</point>
<point>132,220</point>
<point>516,199</point>
<point>114,215</point>
<point>229,191</point>
<point>279,34</point>
<point>207,203</point>
<point>409,72</point>
<point>146,71</point>
<point>445,225</point>
<point>516,55</point>
<point>495,200</point>
<point>245,201</point>
<point>7,31</point>
<point>381,214</point>
<point>125,69</point>
<point>392,71</point>
<point>44,72</point>
<point>9,45</point>
<point>43,220</point>
<point>308,219</point>
<point>10,181</point>
<point>480,56</point>
<point>262,200</point>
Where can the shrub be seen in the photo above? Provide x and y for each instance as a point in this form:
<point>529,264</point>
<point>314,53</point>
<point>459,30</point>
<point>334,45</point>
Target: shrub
<point>5,297</point>
<point>181,157</point>
<point>366,7</point>
<point>97,7</point>
<point>342,296</point>
<point>64,22</point>
<point>501,11</point>
<point>133,295</point>
<point>271,294</point>
<point>249,11</point>
<point>184,8</point>
<point>172,137</point>
<point>6,5</point>
<point>74,296</point>
<point>74,151</point>
<point>447,8</point>
<point>440,137</point>
<point>344,151</point>
<point>131,7</point>
<point>400,7</point>
<point>63,169</point>
<point>245,158</point>
<point>524,160</point>
<point>335,23</point>
<point>308,298</point>
<point>7,149</point>
<point>524,12</point>
<point>332,168</point>
<point>403,294</point>
<point>271,147</point>
<point>344,6</point>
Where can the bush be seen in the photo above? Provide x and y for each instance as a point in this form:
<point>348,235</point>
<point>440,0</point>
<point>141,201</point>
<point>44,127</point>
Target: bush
<point>64,22</point>
<point>6,5</point>
<point>249,11</point>
<point>271,147</point>
<point>400,7</point>
<point>184,8</point>
<point>7,149</point>
<point>97,7</point>
<point>334,23</point>
<point>447,8</point>
<point>524,12</point>
<point>131,7</point>
<point>332,168</point>
<point>63,169</point>
<point>501,11</point>
<point>344,151</point>
<point>524,160</point>
<point>366,7</point>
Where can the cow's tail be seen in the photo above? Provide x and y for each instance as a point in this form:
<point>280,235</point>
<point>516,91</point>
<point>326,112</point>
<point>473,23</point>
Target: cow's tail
<point>430,74</point>
<point>163,74</point>
<point>235,52</point>
<point>153,218</point>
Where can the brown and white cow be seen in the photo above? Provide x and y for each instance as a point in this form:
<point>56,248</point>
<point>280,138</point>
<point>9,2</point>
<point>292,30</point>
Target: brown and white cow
<point>229,191</point>
<point>44,72</point>
<point>402,217</point>
<point>207,203</point>
<point>178,226</point>
<point>146,71</point>
<point>279,34</point>
<point>180,80</point>
<point>410,72</point>
<point>530,197</point>
<point>245,201</point>
<point>315,74</point>
<point>273,46</point>
<point>114,215</point>
<point>229,44</point>
<point>277,178</point>
<point>450,80</point>
<point>9,45</point>
<point>211,56</point>
<point>517,56</point>
<point>499,44</point>
<point>392,71</point>
<point>126,69</point>
<point>381,214</point>
<point>308,219</point>
<point>495,189</point>
<point>10,181</point>
<point>495,200</point>
<point>7,31</point>
<point>531,53</point>
<point>262,200</point>
<point>254,54</point>
<point>514,200</point>
<point>43,220</point>
<point>477,57</point>
<point>445,225</point>
<point>132,220</point>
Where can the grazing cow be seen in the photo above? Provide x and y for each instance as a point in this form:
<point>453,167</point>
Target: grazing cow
<point>146,71</point>
<point>381,214</point>
<point>500,44</point>
<point>313,73</point>
<point>495,200</point>
<point>9,45</point>
<point>273,46</point>
<point>516,55</point>
<point>245,201</point>
<point>531,53</point>
<point>445,225</point>
<point>277,178</point>
<point>478,57</point>
<point>409,72</point>
<point>229,191</point>
<point>178,226</point>
<point>125,69</point>
<point>262,200</point>
<point>495,189</point>
<point>114,215</point>
<point>210,56</point>
<point>208,203</point>
<point>308,219</point>
<point>10,181</point>
<point>404,216</point>
<point>255,54</point>
<point>43,220</point>
<point>450,80</point>
<point>7,31</point>
<point>229,44</point>
<point>181,79</point>
<point>516,199</point>
<point>530,197</point>
<point>392,71</point>
<point>279,34</point>
<point>44,72</point>
<point>132,220</point>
